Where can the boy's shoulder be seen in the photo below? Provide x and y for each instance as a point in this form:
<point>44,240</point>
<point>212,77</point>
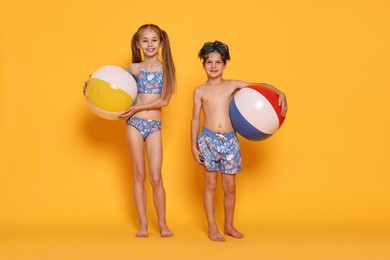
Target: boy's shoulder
<point>225,83</point>
<point>235,82</point>
<point>200,87</point>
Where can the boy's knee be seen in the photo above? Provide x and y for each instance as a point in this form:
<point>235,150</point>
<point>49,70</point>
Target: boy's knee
<point>211,186</point>
<point>230,190</point>
<point>229,187</point>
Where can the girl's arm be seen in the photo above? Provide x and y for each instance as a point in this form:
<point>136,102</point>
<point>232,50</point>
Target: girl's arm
<point>133,68</point>
<point>156,104</point>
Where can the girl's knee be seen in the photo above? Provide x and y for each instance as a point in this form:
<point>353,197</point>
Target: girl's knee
<point>139,176</point>
<point>155,181</point>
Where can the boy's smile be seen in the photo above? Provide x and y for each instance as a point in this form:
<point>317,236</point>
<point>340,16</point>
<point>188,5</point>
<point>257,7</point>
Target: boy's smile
<point>214,65</point>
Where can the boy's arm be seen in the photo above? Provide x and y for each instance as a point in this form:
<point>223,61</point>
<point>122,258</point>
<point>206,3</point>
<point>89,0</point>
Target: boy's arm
<point>195,123</point>
<point>282,101</point>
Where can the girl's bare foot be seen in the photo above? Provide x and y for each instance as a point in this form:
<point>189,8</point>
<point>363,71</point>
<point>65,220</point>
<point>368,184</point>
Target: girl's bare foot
<point>231,231</point>
<point>164,230</point>
<point>142,231</point>
<point>166,233</point>
<point>214,235</point>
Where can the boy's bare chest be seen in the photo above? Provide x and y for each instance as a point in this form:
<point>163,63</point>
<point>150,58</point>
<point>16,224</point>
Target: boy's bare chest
<point>216,101</point>
<point>214,97</point>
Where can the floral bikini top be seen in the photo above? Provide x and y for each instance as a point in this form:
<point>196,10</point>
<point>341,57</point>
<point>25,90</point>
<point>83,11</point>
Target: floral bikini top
<point>149,82</point>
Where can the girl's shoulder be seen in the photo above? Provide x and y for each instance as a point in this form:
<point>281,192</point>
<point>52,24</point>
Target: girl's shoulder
<point>134,68</point>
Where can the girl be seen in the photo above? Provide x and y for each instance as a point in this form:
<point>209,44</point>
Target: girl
<point>155,83</point>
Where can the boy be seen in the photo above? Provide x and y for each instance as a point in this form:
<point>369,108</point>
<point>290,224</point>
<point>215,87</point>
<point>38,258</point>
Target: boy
<point>217,147</point>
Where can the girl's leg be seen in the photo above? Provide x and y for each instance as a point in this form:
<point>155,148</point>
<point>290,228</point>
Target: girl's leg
<point>210,186</point>
<point>154,151</point>
<point>136,146</point>
<point>229,188</point>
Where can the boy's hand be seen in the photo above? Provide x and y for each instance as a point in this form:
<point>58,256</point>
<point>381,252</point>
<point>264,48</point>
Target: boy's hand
<point>282,101</point>
<point>197,155</point>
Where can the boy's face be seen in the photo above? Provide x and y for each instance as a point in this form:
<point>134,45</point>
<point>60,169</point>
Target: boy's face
<point>213,65</point>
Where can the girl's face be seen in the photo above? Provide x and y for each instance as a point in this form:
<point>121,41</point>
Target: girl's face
<point>149,42</point>
<point>214,65</point>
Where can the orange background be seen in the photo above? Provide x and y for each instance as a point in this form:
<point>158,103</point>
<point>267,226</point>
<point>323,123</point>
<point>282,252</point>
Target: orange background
<point>63,168</point>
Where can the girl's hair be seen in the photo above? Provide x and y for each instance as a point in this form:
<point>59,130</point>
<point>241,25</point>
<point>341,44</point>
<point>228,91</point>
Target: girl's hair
<point>168,66</point>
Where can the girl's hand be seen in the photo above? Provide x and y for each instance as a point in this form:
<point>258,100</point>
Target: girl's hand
<point>85,87</point>
<point>128,113</point>
<point>282,101</point>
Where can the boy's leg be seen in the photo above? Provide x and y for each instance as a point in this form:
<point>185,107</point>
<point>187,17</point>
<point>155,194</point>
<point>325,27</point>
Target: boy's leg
<point>229,188</point>
<point>210,185</point>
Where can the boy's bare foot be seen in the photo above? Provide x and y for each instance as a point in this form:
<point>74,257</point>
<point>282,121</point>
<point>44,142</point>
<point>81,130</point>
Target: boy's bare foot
<point>142,231</point>
<point>214,235</point>
<point>165,232</point>
<point>233,232</point>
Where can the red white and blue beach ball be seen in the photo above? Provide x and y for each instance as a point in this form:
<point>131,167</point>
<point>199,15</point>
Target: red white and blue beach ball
<point>255,113</point>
